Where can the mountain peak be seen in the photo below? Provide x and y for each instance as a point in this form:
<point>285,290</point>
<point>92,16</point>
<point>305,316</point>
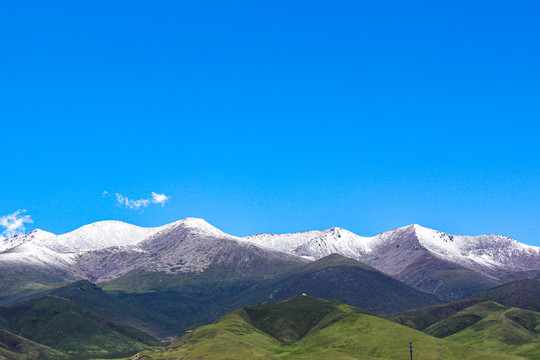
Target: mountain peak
<point>34,235</point>
<point>39,232</point>
<point>97,235</point>
<point>195,222</point>
<point>197,226</point>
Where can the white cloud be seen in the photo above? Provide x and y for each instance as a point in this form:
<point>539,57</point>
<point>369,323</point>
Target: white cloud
<point>13,224</point>
<point>159,198</point>
<point>105,193</point>
<point>130,203</point>
<point>141,203</point>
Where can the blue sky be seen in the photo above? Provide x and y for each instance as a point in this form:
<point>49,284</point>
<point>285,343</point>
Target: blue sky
<point>274,116</point>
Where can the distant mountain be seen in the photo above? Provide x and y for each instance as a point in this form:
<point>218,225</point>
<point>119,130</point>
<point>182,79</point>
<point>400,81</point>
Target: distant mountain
<point>455,266</point>
<point>309,328</point>
<point>346,280</point>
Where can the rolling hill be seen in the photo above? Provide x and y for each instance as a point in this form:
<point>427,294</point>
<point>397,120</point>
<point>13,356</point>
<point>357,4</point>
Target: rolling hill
<point>524,294</point>
<point>493,326</point>
<point>14,347</point>
<point>309,328</point>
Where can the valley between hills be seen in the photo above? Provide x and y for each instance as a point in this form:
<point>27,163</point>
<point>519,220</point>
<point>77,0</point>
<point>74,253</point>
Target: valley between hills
<point>187,290</point>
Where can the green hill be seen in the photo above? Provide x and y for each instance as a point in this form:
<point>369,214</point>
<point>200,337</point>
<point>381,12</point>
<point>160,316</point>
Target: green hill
<point>67,327</point>
<point>94,299</point>
<point>15,347</point>
<point>523,294</point>
<point>494,326</point>
<point>309,328</point>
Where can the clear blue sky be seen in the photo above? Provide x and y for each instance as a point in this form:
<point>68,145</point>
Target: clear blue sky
<point>273,116</point>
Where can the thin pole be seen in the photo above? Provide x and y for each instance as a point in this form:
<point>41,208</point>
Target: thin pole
<point>410,348</point>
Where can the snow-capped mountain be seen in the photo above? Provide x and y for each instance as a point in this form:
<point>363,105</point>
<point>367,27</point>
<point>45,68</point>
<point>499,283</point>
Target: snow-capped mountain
<point>314,245</point>
<point>41,248</point>
<point>108,249</point>
<point>96,236</point>
<point>392,251</point>
<point>189,245</point>
<point>454,266</point>
<point>35,235</point>
<point>450,265</point>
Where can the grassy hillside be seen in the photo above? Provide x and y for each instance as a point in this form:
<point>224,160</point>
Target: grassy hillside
<point>65,326</point>
<point>15,347</point>
<point>93,298</point>
<point>494,326</point>
<point>524,294</point>
<point>308,328</point>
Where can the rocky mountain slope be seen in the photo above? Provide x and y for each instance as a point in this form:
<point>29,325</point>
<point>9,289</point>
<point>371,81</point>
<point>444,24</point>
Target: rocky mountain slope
<point>392,251</point>
<point>454,266</point>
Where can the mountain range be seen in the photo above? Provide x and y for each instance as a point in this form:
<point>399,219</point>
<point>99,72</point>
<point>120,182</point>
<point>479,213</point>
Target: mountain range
<point>451,266</point>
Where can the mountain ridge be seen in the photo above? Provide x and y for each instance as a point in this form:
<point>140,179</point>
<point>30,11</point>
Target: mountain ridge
<point>453,266</point>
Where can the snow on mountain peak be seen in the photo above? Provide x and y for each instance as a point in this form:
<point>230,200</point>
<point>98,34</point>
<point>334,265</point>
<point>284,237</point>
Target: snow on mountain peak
<point>37,234</point>
<point>483,252</point>
<point>196,226</point>
<point>98,235</point>
<point>391,251</point>
<point>314,244</point>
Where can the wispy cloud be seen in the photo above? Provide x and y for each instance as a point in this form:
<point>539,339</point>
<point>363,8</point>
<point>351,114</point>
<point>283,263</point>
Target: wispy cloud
<point>159,198</point>
<point>140,203</point>
<point>13,224</point>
